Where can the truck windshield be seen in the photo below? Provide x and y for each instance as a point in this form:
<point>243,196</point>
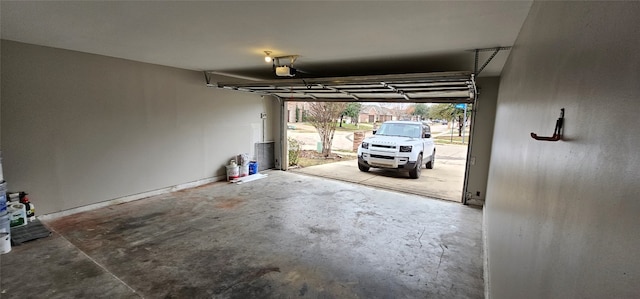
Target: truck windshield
<point>404,130</point>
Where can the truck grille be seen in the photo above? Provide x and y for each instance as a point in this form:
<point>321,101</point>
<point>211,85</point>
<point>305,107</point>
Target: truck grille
<point>383,146</point>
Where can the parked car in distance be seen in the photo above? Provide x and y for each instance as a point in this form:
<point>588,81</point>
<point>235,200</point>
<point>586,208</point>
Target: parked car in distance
<point>401,145</point>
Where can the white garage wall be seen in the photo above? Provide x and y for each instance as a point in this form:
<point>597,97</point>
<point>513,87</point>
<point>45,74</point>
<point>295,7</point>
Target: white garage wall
<point>79,128</point>
<point>563,217</point>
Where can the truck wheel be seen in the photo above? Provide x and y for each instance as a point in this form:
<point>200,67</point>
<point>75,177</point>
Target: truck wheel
<point>432,161</point>
<point>415,173</point>
<point>363,168</point>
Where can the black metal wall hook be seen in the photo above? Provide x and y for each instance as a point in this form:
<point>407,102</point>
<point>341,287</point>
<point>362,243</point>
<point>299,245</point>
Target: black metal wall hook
<point>557,132</point>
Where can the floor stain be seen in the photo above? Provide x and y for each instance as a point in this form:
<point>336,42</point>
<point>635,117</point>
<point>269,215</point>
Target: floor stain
<point>229,203</point>
<point>322,231</point>
<point>248,278</point>
<point>368,213</point>
<point>304,289</point>
<point>264,271</point>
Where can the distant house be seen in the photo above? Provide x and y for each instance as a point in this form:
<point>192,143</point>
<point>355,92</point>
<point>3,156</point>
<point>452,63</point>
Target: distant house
<point>297,111</point>
<point>373,113</point>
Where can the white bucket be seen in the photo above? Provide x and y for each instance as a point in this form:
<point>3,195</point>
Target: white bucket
<point>5,243</point>
<point>244,170</point>
<point>233,172</point>
<point>5,233</point>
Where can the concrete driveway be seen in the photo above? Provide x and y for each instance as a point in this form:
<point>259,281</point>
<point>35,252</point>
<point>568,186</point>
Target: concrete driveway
<point>443,182</point>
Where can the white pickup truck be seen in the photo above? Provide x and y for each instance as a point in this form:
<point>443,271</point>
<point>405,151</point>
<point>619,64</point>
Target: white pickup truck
<point>402,145</point>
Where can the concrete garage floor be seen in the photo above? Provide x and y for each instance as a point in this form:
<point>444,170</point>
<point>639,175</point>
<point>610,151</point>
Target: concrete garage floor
<point>285,236</point>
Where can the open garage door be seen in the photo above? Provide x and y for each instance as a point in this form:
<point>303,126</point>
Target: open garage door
<point>442,87</point>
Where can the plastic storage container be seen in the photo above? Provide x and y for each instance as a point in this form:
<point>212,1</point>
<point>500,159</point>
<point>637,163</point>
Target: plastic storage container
<point>253,167</point>
<point>17,214</point>
<point>5,233</point>
<point>3,197</point>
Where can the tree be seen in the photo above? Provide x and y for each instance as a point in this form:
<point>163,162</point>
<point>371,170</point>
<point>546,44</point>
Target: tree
<point>352,110</point>
<point>324,116</point>
<point>421,110</point>
<point>442,111</point>
<point>449,112</point>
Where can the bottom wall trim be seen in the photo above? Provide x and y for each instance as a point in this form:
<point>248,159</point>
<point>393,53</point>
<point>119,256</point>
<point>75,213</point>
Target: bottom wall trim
<point>129,198</point>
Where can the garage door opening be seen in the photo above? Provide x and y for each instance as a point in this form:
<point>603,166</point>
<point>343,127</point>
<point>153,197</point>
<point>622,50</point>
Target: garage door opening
<point>450,134</point>
<point>452,88</point>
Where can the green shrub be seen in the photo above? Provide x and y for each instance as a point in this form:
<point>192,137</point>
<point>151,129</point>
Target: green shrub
<point>294,151</point>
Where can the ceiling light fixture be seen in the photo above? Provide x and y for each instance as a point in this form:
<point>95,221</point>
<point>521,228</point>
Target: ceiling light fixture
<point>267,58</point>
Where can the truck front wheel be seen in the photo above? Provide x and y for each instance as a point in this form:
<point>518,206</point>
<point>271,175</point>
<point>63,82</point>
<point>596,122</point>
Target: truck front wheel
<point>363,168</point>
<point>415,173</point>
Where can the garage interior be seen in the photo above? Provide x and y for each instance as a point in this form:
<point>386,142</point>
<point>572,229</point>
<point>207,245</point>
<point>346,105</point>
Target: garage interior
<point>105,103</point>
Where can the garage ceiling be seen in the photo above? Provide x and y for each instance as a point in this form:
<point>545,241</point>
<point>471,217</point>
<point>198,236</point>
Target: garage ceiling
<point>332,38</point>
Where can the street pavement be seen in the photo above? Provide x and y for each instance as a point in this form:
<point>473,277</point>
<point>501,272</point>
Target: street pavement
<point>443,182</point>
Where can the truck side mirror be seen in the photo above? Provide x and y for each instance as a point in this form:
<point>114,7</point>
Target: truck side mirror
<point>427,135</point>
<point>374,132</point>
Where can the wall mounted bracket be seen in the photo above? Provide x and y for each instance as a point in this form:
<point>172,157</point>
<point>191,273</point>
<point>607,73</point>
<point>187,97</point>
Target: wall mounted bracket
<point>557,132</point>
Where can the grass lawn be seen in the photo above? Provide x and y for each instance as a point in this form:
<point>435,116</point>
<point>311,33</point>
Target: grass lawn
<point>352,127</point>
<point>447,139</point>
<point>308,127</point>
